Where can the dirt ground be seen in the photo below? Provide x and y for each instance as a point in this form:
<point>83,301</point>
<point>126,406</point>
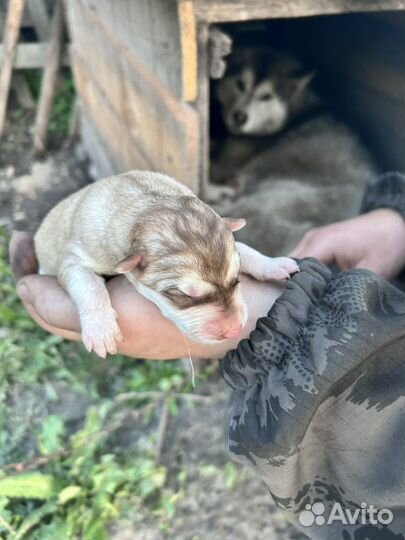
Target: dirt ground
<point>213,506</point>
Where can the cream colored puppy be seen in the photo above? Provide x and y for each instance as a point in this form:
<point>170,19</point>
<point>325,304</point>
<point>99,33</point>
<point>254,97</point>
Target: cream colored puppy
<point>171,246</point>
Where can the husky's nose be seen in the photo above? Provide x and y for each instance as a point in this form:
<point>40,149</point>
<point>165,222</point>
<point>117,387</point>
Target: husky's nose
<point>240,118</point>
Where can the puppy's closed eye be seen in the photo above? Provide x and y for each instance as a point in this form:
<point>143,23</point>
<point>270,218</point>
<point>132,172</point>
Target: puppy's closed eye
<point>179,298</point>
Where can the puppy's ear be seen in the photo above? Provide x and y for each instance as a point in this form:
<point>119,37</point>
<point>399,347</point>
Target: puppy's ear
<point>133,262</point>
<point>234,224</point>
<point>299,83</point>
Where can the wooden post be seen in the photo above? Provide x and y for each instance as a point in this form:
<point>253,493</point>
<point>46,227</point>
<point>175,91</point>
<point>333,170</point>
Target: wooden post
<point>13,21</point>
<point>188,41</point>
<point>74,126</point>
<point>49,78</point>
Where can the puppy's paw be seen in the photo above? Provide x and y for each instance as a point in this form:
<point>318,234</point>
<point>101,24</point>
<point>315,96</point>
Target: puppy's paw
<point>100,333</point>
<point>219,46</point>
<point>277,268</point>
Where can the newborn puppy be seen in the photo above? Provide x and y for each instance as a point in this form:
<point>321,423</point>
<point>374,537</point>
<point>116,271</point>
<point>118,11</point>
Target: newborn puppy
<point>174,249</point>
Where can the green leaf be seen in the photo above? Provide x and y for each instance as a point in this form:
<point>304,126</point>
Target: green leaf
<point>231,475</point>
<point>28,486</point>
<point>69,493</point>
<point>34,518</point>
<point>49,438</point>
<point>55,530</point>
<point>95,530</point>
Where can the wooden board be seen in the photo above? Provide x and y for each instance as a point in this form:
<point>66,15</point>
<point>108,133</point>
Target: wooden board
<point>203,102</point>
<point>104,161</point>
<point>189,53</point>
<point>143,124</point>
<point>32,56</point>
<point>49,78</point>
<point>10,39</point>
<point>242,10</point>
<point>149,29</point>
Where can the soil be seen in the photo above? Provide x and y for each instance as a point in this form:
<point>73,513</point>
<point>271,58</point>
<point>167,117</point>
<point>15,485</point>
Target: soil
<point>195,440</point>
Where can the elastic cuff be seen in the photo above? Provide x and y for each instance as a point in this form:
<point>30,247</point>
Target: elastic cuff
<point>269,343</point>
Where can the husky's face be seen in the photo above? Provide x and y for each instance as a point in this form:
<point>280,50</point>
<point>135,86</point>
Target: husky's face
<point>259,91</point>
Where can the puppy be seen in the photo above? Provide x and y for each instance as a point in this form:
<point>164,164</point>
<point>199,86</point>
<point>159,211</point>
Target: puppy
<point>174,249</point>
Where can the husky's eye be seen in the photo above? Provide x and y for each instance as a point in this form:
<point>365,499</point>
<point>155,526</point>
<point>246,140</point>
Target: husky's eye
<point>240,85</point>
<point>266,97</point>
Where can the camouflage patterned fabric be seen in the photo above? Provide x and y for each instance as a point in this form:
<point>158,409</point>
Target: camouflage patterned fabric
<point>317,405</point>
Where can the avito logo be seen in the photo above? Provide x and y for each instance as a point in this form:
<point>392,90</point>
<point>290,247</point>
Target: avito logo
<point>315,514</point>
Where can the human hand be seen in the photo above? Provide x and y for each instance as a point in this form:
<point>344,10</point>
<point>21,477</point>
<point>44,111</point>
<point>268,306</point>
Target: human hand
<point>147,334</point>
<point>375,241</point>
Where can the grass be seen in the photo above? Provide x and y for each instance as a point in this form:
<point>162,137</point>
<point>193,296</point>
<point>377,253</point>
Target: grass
<point>62,107</point>
<point>73,479</point>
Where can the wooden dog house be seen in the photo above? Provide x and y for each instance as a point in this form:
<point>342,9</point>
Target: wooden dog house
<point>141,72</point>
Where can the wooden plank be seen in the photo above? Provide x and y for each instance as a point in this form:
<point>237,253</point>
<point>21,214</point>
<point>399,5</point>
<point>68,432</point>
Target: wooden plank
<point>18,83</point>
<point>139,135</point>
<point>107,126</point>
<point>242,10</point>
<point>49,78</point>
<point>188,41</point>
<point>203,108</point>
<point>149,29</point>
<point>22,91</point>
<point>163,130</point>
<point>32,56</point>
<point>39,18</point>
<point>74,124</point>
<point>104,162</point>
<point>11,33</point>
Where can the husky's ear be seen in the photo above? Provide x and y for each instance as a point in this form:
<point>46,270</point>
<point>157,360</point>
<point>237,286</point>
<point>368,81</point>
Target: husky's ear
<point>136,261</point>
<point>234,224</point>
<point>300,82</point>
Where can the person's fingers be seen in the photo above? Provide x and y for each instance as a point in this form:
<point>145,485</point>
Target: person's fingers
<point>299,249</point>
<point>22,254</point>
<point>50,301</point>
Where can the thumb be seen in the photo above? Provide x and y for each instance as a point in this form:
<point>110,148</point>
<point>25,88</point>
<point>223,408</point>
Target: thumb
<point>32,289</point>
<point>48,303</point>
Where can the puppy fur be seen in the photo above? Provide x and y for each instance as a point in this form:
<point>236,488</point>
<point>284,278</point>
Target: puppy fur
<point>171,246</point>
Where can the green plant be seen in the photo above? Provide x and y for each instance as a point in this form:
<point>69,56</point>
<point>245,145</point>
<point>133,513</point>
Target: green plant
<point>63,100</point>
<point>64,483</point>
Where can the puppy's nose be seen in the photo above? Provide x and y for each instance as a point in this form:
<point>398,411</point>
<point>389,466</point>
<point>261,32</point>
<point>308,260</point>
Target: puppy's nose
<point>233,332</point>
<point>240,118</point>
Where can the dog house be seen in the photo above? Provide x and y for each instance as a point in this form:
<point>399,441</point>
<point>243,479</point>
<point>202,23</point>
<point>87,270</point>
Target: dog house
<point>141,72</point>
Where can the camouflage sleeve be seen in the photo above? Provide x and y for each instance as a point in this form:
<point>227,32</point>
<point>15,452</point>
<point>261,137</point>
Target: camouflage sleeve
<point>387,191</point>
<point>317,402</point>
